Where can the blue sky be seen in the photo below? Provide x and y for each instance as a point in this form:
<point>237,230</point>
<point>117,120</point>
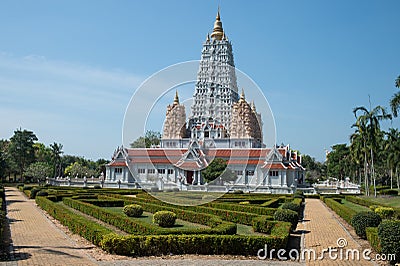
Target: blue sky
<point>69,68</point>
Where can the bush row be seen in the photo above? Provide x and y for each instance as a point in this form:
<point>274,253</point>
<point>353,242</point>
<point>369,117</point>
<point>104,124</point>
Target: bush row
<point>76,223</point>
<point>190,244</point>
<point>272,203</point>
<point>248,208</point>
<point>263,225</point>
<point>136,226</point>
<point>369,202</point>
<point>227,215</point>
<point>105,202</point>
<point>341,210</point>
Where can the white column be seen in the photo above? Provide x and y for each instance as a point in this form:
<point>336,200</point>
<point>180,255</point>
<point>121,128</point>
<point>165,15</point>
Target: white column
<point>284,178</point>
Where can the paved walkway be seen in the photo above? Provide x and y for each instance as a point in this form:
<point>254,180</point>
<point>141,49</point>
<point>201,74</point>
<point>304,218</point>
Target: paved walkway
<point>36,240</point>
<point>322,230</point>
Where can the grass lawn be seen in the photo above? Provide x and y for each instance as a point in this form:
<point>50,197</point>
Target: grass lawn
<point>392,201</point>
<point>356,207</point>
<point>148,218</point>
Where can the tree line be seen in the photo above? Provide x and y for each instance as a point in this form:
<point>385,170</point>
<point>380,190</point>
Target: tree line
<point>373,156</point>
<point>23,158</point>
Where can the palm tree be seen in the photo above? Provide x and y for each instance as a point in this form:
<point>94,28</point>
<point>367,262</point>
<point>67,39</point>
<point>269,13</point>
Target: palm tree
<point>393,152</point>
<point>371,119</point>
<point>358,151</point>
<point>56,151</point>
<point>395,101</point>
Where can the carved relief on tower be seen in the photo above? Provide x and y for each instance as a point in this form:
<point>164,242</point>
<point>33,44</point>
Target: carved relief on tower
<point>245,121</point>
<point>175,121</point>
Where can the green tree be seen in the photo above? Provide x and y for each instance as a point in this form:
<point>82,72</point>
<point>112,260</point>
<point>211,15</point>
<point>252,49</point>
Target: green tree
<point>371,119</point>
<point>338,161</point>
<point>392,149</point>
<point>314,169</point>
<point>38,171</point>
<point>42,153</point>
<point>21,148</point>
<point>78,170</point>
<point>395,101</point>
<point>151,138</point>
<point>218,169</point>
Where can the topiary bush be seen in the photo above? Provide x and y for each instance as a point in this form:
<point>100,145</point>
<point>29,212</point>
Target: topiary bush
<point>385,212</point>
<point>362,220</point>
<point>97,187</point>
<point>287,215</point>
<point>133,210</point>
<point>238,191</point>
<point>291,206</point>
<point>42,193</point>
<point>164,218</point>
<point>389,235</point>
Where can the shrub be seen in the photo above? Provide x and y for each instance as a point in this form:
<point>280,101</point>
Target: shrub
<point>286,215</point>
<point>263,225</point>
<point>154,189</point>
<point>385,212</point>
<point>392,192</point>
<point>373,207</point>
<point>373,238</point>
<point>47,185</point>
<point>291,206</point>
<point>97,187</point>
<point>34,191</point>
<point>238,192</point>
<point>164,218</point>
<point>244,203</point>
<point>298,194</point>
<point>42,193</point>
<point>389,235</point>
<point>362,220</point>
<point>133,210</point>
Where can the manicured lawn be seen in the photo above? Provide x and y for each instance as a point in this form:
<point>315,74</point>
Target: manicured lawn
<point>387,200</point>
<point>148,218</point>
<point>356,207</point>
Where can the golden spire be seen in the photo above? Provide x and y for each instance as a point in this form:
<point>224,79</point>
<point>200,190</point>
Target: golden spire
<point>176,100</point>
<point>218,32</point>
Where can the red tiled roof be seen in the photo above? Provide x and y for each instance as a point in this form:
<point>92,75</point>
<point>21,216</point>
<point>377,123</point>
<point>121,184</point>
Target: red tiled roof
<point>116,163</point>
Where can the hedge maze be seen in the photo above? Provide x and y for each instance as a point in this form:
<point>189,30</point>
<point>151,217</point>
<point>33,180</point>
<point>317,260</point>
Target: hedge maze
<point>210,228</point>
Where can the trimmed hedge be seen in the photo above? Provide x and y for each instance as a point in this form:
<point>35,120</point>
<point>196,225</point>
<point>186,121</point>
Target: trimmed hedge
<point>286,215</point>
<point>273,203</point>
<point>164,218</point>
<point>392,192</point>
<point>362,220</point>
<point>263,225</point>
<point>136,226</point>
<point>189,244</point>
<point>369,202</point>
<point>76,223</point>
<point>154,205</point>
<point>104,202</point>
<point>373,238</point>
<point>341,210</point>
<point>389,235</point>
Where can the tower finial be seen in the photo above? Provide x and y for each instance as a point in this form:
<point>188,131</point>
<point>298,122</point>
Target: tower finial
<point>176,100</point>
<point>218,32</point>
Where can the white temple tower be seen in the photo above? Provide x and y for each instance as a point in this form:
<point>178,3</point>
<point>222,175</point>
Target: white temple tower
<point>216,88</point>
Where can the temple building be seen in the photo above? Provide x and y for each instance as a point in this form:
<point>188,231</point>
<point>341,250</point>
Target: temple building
<point>221,124</point>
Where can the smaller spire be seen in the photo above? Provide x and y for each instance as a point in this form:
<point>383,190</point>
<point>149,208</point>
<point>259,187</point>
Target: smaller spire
<point>242,97</point>
<point>253,106</point>
<point>208,37</point>
<point>176,100</point>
